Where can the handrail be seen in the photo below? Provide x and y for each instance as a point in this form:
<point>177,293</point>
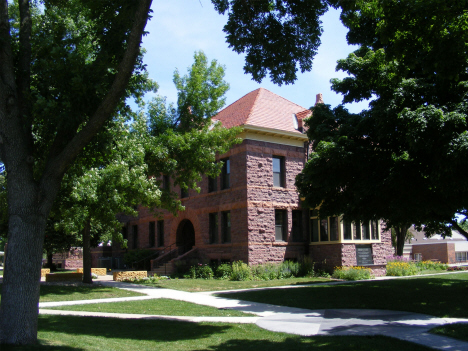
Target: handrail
<point>170,250</point>
<point>156,253</point>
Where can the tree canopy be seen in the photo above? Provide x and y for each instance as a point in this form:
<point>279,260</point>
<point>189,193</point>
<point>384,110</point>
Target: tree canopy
<point>404,158</point>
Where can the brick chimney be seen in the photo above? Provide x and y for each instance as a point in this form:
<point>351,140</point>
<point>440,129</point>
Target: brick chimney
<point>319,99</point>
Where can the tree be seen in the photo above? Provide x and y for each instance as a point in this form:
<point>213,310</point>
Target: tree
<point>404,158</point>
<point>67,68</point>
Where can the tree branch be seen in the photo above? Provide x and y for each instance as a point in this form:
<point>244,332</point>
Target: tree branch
<point>56,166</point>
<point>459,228</point>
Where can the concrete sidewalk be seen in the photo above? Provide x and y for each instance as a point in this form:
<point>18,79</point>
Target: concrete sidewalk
<point>406,326</point>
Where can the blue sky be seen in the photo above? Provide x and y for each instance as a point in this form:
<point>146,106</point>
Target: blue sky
<point>179,28</point>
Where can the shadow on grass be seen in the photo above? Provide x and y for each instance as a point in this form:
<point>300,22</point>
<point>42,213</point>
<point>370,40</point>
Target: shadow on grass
<point>440,296</point>
<point>329,343</point>
<point>137,329</point>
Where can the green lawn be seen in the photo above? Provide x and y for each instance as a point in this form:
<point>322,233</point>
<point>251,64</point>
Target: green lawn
<point>68,333</point>
<point>441,296</point>
<point>166,307</point>
<point>68,293</point>
<point>195,285</point>
<point>456,330</point>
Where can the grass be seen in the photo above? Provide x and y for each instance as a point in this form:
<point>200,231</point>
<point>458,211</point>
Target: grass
<point>165,307</point>
<point>50,293</point>
<point>194,285</point>
<point>69,333</point>
<point>440,296</point>
<point>456,330</point>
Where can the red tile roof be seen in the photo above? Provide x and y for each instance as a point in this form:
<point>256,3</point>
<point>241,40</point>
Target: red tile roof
<point>262,108</point>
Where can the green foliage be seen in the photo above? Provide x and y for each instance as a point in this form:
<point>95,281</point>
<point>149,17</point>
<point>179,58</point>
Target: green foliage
<point>401,268</point>
<point>352,273</point>
<point>276,36</point>
<point>431,265</point>
<point>223,271</point>
<point>202,271</point>
<point>402,159</point>
<point>240,271</point>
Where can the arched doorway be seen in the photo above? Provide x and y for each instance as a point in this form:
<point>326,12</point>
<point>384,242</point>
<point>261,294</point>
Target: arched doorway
<point>185,238</point>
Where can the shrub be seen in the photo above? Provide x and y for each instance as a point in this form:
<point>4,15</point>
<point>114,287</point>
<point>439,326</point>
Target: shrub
<point>240,271</point>
<point>135,256</point>
<point>459,268</point>
<point>352,273</point>
<point>433,265</point>
<point>400,268</point>
<point>201,271</point>
<point>288,269</point>
<point>306,267</point>
<point>223,271</point>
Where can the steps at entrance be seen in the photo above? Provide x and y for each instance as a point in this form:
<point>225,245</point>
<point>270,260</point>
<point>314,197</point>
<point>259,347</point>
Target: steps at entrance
<point>165,269</point>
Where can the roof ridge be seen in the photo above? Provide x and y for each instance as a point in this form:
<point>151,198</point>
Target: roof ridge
<point>284,98</point>
<point>258,91</point>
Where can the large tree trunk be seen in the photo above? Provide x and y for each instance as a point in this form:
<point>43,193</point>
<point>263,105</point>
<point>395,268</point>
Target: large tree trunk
<point>87,278</point>
<point>21,278</point>
<point>401,237</point>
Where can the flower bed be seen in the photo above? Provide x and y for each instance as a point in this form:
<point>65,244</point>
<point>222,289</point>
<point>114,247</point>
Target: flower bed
<point>97,271</point>
<point>44,271</point>
<point>129,275</point>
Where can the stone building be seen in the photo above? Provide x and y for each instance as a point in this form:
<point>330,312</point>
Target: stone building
<point>252,211</point>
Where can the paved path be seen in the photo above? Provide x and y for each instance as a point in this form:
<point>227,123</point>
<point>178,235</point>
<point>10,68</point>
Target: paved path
<point>402,325</point>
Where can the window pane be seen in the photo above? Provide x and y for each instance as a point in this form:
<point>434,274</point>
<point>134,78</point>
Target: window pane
<point>334,229</point>
<point>296,225</point>
<point>278,171</point>
<point>314,237</point>
<point>213,228</point>
<point>160,233</point>
<point>347,232</point>
<point>212,184</point>
<point>375,230</point>
<point>135,236</point>
<point>152,233</point>
<point>225,174</point>
<point>365,231</point>
<point>280,227</point>
<point>357,230</point>
<point>226,227</point>
<point>324,229</point>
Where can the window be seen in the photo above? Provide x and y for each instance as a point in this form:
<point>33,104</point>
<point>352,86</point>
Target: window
<point>365,231</point>
<point>278,171</point>
<point>347,232</point>
<point>183,193</point>
<point>281,225</point>
<point>324,229</point>
<point>296,229</point>
<point>135,236</point>
<point>375,230</point>
<point>357,231</point>
<point>334,229</point>
<point>160,233</point>
<point>226,226</point>
<point>460,256</point>
<point>212,184</point>
<point>213,228</point>
<point>226,174</point>
<point>166,182</point>
<point>417,257</point>
<point>125,233</point>
<point>152,234</point>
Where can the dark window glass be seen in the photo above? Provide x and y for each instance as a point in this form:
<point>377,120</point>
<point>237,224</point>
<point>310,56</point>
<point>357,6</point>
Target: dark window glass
<point>324,229</point>
<point>213,228</point>
<point>226,174</point>
<point>212,184</point>
<point>278,171</point>
<point>347,232</point>
<point>226,223</point>
<point>357,230</point>
<point>152,233</point>
<point>375,230</point>
<point>135,236</point>
<point>160,233</point>
<point>183,193</point>
<point>314,230</point>
<point>334,231</point>
<point>281,225</point>
<point>125,233</point>
<point>296,225</point>
<point>365,231</point>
